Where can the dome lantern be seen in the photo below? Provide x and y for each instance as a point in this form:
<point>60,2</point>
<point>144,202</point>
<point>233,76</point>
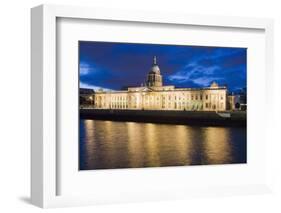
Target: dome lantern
<point>155,68</point>
<point>154,77</point>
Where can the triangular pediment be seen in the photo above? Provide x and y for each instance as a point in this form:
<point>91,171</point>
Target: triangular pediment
<point>147,89</point>
<point>141,89</point>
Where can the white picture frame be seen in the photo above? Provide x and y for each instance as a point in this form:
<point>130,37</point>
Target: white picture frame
<point>44,154</point>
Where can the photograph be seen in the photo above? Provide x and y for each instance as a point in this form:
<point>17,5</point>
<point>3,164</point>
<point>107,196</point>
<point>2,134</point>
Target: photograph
<point>157,105</point>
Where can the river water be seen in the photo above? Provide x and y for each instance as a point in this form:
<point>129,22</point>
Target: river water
<point>111,144</point>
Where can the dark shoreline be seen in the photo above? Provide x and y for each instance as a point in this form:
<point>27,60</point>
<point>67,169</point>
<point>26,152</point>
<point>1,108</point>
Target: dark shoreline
<point>201,118</point>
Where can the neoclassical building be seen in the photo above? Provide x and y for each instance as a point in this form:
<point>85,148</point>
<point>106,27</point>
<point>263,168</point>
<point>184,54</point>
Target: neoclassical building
<point>156,96</point>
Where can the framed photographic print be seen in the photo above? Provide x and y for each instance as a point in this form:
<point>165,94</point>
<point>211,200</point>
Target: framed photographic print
<point>158,120</point>
<point>146,105</point>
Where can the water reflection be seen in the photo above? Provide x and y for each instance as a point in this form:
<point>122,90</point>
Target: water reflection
<point>151,148</point>
<point>135,147</point>
<point>109,144</point>
<point>183,144</point>
<point>217,147</point>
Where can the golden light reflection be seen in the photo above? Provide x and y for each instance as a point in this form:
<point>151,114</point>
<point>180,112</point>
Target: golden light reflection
<point>109,144</point>
<point>89,139</point>
<point>89,127</point>
<point>109,148</point>
<point>183,144</point>
<point>151,146</point>
<point>217,147</point>
<point>135,145</point>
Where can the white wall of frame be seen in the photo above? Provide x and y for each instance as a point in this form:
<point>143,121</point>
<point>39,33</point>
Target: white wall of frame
<point>15,88</point>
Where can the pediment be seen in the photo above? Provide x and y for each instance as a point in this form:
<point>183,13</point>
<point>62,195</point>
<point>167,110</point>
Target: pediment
<point>147,89</point>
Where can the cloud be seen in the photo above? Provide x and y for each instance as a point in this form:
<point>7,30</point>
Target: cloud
<point>195,73</point>
<point>85,68</point>
<point>205,81</point>
<point>208,66</point>
<point>95,88</point>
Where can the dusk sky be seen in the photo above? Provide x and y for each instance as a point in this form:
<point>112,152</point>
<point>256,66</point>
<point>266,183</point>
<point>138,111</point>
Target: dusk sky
<point>115,65</point>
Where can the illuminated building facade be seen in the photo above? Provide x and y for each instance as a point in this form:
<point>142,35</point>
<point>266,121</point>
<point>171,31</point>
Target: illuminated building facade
<point>156,96</point>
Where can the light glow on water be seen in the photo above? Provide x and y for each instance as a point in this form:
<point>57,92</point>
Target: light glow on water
<point>110,144</point>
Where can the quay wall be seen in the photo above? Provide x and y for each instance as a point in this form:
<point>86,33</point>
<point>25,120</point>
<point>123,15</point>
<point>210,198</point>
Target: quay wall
<point>235,118</point>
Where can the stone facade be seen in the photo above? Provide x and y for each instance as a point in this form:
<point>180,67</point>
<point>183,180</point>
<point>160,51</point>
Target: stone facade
<point>155,96</point>
<point>233,100</point>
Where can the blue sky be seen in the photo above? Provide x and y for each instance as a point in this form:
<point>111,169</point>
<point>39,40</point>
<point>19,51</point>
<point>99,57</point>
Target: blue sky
<point>115,65</point>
